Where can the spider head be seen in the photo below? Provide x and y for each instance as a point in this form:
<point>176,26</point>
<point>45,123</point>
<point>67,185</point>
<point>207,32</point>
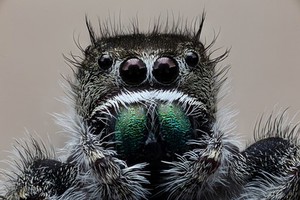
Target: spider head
<point>154,91</point>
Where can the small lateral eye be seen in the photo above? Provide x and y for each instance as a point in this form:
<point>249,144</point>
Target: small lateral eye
<point>105,61</point>
<point>191,58</point>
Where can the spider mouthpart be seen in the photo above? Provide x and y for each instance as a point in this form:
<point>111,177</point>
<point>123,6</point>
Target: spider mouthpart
<point>147,121</point>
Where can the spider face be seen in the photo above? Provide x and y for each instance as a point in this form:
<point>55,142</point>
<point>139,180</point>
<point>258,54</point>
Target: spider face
<point>143,62</point>
<point>150,93</point>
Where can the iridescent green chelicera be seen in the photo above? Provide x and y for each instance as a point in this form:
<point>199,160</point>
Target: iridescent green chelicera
<point>130,130</point>
<point>175,127</point>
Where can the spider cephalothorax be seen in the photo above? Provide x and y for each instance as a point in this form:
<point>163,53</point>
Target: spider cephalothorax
<point>144,124</point>
<point>148,94</point>
<point>144,117</point>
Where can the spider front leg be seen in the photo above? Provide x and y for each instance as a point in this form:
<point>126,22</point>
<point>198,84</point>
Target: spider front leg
<point>272,162</point>
<point>102,174</point>
<point>206,171</point>
<point>37,174</point>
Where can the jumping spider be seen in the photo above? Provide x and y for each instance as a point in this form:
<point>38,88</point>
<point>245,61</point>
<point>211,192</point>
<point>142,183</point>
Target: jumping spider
<point>144,124</point>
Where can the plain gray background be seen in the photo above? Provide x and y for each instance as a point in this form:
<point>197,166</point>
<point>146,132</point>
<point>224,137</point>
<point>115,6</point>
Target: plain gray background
<point>264,37</point>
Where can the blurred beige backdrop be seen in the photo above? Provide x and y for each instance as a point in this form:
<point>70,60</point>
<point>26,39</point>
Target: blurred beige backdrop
<point>264,37</point>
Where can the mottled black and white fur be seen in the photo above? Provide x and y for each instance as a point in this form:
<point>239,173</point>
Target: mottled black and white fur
<point>273,161</point>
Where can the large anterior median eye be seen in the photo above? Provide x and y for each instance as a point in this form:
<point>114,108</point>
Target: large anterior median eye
<point>133,71</point>
<point>165,70</point>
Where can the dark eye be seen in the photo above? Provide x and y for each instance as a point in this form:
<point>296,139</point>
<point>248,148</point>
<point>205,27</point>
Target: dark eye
<point>133,71</point>
<point>191,58</point>
<point>165,70</point>
<point>105,61</point>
